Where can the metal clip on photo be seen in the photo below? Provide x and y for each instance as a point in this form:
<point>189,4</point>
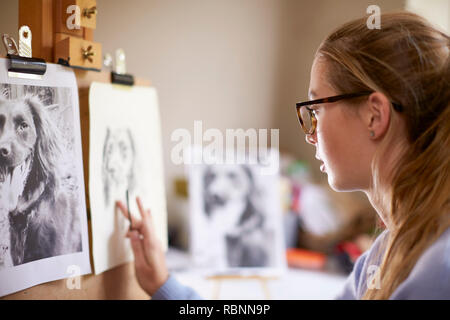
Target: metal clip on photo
<point>119,75</point>
<point>21,63</point>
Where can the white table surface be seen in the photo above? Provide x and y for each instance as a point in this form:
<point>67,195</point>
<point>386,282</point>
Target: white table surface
<point>295,284</point>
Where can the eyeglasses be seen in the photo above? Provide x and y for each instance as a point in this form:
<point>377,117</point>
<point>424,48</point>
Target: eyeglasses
<point>308,120</point>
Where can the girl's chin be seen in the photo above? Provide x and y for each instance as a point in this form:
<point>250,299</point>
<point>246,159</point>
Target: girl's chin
<point>339,185</point>
<point>335,183</point>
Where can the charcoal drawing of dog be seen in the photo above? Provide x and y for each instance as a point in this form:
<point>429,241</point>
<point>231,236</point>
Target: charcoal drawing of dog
<point>38,217</point>
<point>119,164</point>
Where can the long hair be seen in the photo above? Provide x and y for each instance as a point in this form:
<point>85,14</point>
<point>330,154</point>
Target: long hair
<point>408,61</point>
<point>47,150</point>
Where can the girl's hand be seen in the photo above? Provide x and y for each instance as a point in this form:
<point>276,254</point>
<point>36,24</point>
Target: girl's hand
<point>149,258</point>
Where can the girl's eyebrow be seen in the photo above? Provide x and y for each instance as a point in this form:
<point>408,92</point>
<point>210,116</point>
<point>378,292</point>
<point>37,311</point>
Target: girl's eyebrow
<point>312,94</point>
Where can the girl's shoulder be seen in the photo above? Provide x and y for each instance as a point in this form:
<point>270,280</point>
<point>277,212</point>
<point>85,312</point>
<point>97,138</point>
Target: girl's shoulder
<point>430,277</point>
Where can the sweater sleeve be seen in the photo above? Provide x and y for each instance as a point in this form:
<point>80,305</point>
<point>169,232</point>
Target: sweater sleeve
<point>173,290</point>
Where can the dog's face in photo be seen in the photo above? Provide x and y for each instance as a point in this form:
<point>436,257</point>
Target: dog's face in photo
<point>37,207</point>
<point>18,137</point>
<point>29,152</point>
<point>226,192</point>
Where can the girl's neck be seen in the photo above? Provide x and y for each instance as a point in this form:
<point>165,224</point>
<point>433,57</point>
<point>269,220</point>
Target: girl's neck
<point>381,203</point>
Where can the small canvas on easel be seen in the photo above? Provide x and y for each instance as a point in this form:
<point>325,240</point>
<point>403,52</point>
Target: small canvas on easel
<point>236,219</point>
<point>125,156</point>
<point>43,224</point>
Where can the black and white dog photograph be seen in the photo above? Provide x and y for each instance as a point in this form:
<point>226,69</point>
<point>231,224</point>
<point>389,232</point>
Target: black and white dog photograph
<point>234,225</point>
<point>39,198</point>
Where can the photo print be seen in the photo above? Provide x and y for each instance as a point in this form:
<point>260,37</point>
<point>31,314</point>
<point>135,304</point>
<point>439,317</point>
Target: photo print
<point>236,222</point>
<point>42,202</point>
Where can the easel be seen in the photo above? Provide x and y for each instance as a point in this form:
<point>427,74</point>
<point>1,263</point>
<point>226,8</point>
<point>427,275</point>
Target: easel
<point>119,282</point>
<point>262,279</point>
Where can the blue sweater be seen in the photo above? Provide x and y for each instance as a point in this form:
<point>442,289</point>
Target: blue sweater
<point>429,279</point>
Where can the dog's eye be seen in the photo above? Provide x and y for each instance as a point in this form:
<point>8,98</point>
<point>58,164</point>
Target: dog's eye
<point>232,175</point>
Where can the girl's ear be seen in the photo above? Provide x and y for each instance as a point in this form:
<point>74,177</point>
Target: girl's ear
<point>377,115</point>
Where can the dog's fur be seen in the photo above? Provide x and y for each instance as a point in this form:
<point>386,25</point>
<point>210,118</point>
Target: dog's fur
<point>42,214</point>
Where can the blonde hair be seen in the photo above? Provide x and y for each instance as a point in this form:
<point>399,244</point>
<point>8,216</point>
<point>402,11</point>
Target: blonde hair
<point>408,61</point>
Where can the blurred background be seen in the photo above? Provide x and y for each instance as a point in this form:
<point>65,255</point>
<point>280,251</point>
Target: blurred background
<point>244,64</point>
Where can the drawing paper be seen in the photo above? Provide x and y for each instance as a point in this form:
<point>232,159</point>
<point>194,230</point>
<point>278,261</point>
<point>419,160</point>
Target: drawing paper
<point>125,154</point>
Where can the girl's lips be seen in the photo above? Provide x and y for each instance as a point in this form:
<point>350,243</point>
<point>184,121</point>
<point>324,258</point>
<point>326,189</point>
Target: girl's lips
<point>322,167</point>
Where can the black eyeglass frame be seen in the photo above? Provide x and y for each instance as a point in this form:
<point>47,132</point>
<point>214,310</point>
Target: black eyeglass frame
<point>397,107</point>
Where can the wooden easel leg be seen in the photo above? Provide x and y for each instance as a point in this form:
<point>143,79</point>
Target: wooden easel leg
<point>218,282</point>
<point>216,289</point>
<point>265,288</point>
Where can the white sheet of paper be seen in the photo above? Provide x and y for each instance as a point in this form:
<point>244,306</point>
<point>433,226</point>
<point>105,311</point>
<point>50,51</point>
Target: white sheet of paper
<point>125,154</point>
<point>44,235</point>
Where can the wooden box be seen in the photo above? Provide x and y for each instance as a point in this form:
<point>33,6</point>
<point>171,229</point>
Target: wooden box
<point>78,52</point>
